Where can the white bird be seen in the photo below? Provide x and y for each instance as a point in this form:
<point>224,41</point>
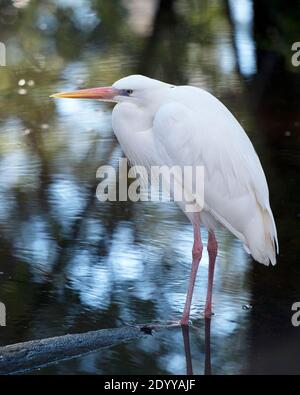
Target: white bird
<point>159,123</point>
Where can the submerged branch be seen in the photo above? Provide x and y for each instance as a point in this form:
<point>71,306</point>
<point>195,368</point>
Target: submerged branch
<point>33,354</point>
<point>30,355</point>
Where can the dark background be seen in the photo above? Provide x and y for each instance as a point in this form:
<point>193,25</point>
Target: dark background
<point>69,263</point>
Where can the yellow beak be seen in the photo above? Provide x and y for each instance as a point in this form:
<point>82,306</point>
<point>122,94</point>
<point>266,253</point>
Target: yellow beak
<point>105,93</point>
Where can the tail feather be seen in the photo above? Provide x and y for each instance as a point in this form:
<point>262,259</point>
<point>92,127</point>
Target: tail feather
<point>261,236</point>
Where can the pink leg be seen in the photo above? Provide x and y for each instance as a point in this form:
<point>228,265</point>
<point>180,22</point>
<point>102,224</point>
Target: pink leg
<point>212,248</point>
<point>197,254</point>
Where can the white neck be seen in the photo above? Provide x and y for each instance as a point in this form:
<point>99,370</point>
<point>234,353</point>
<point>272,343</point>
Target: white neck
<point>132,126</point>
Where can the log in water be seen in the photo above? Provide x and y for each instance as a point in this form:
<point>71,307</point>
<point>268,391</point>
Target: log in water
<point>30,355</point>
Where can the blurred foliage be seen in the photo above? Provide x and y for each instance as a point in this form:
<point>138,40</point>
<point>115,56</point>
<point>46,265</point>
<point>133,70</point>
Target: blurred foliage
<point>60,248</point>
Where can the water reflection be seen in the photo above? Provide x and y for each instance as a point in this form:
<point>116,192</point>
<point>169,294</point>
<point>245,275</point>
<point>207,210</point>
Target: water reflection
<point>187,350</point>
<point>242,16</point>
<point>70,263</point>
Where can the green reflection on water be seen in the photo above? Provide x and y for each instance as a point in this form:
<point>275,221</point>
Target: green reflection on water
<point>69,263</point>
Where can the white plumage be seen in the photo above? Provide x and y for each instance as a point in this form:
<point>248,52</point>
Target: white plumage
<point>163,124</point>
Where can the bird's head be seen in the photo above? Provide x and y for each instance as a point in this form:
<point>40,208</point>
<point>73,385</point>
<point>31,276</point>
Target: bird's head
<point>134,88</point>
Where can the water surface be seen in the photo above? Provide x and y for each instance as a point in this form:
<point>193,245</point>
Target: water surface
<point>72,264</point>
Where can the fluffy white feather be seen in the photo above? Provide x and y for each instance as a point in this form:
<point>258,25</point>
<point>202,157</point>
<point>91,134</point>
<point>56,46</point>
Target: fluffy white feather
<point>188,126</point>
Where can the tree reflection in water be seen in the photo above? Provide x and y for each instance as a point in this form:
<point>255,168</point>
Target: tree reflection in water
<point>70,263</point>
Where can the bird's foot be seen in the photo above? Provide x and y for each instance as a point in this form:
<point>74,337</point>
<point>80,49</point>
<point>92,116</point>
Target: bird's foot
<point>185,321</point>
<point>165,324</point>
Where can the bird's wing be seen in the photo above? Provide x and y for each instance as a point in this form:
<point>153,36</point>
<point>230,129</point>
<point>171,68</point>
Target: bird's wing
<point>194,128</point>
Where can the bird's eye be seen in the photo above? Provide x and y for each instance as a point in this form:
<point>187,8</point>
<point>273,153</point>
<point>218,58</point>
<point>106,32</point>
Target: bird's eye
<point>129,91</point>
